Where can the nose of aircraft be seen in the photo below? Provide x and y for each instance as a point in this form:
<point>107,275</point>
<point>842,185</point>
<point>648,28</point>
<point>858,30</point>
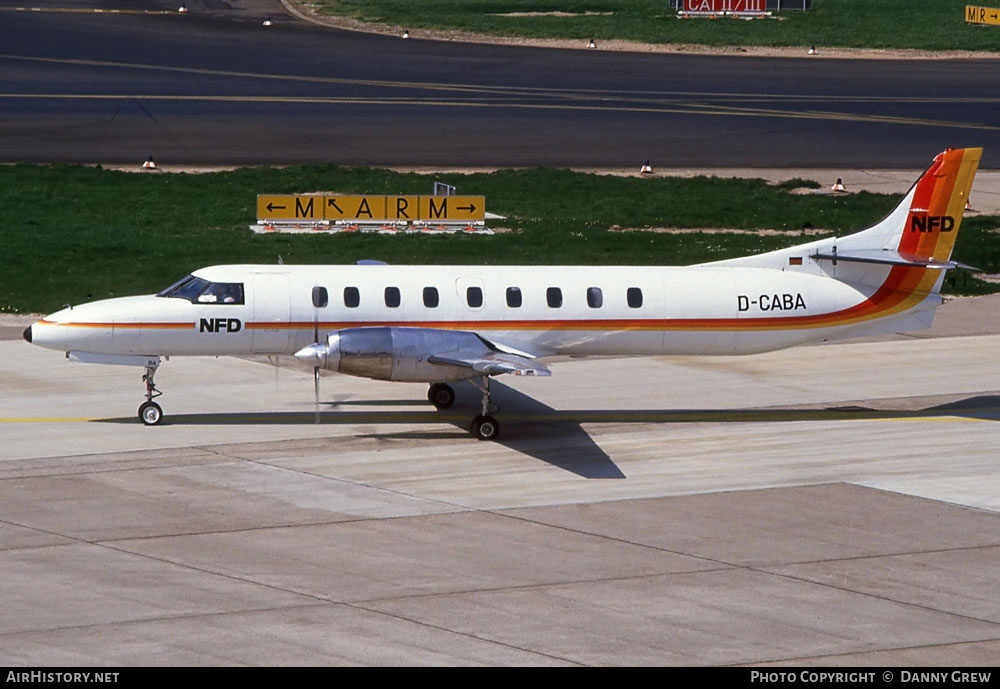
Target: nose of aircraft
<point>27,334</point>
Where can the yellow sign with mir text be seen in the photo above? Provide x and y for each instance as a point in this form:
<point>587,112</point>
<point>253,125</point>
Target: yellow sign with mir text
<point>982,15</point>
<point>396,209</point>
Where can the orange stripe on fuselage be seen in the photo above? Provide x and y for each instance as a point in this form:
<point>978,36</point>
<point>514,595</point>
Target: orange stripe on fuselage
<point>118,326</point>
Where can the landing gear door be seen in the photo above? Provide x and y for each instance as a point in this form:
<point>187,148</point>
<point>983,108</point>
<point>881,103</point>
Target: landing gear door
<point>271,328</point>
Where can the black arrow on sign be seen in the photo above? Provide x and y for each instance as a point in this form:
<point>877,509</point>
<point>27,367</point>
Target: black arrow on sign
<point>271,207</point>
<point>471,208</point>
<point>333,202</point>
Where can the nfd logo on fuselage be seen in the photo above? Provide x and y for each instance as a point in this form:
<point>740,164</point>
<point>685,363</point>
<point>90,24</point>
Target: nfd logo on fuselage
<point>220,325</point>
<point>931,223</point>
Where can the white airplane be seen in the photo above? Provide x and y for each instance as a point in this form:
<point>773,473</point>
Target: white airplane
<point>438,324</point>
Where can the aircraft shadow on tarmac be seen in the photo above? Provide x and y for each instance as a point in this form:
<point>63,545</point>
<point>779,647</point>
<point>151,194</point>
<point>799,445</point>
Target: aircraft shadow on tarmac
<point>556,436</point>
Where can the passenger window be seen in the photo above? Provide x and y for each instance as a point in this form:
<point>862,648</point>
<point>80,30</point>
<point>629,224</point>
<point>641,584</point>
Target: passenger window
<point>430,297</point>
<point>392,297</point>
<point>634,296</point>
<point>351,297</point>
<point>595,298</point>
<point>474,297</point>
<point>553,296</point>
<point>320,297</point>
<point>514,297</point>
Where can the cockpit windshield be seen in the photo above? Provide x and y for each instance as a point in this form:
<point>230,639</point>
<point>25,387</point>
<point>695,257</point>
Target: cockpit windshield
<point>200,291</point>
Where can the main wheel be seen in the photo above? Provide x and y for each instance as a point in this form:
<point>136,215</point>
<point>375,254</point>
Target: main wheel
<point>441,395</point>
<point>485,428</point>
<point>150,413</point>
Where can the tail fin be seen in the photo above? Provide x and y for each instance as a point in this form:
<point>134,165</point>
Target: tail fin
<point>921,230</point>
<point>938,204</point>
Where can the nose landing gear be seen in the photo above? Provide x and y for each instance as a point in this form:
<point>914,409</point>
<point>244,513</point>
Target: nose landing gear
<point>150,412</point>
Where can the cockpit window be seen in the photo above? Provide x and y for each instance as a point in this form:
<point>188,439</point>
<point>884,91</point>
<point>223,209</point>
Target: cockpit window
<point>177,285</point>
<point>222,293</point>
<point>200,291</point>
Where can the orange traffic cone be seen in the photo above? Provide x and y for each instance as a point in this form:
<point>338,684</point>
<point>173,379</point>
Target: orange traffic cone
<point>839,186</point>
<point>968,207</point>
<point>149,164</point>
<point>646,169</point>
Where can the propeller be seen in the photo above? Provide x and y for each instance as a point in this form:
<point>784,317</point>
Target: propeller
<point>316,368</point>
<point>320,298</point>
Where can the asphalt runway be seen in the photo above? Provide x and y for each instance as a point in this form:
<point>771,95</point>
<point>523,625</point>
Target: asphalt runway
<point>826,505</point>
<point>215,87</point>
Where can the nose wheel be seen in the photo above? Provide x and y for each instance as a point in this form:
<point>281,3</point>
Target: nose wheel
<point>150,413</point>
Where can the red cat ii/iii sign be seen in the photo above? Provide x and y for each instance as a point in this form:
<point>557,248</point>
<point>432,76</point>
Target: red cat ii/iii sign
<point>724,6</point>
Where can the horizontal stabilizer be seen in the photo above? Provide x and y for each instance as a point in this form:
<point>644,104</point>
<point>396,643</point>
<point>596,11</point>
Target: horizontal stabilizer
<point>887,257</point>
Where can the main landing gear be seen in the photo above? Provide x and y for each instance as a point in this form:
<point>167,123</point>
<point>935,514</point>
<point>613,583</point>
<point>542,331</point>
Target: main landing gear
<point>484,426</point>
<point>150,412</point>
<point>441,395</point>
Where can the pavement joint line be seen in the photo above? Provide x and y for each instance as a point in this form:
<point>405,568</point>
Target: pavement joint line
<point>540,585</point>
<point>876,596</point>
<point>362,605</point>
<point>468,635</point>
<point>854,558</point>
<point>942,501</point>
<point>798,660</point>
<point>317,601</point>
<point>85,471</point>
<point>361,484</point>
<point>160,618</point>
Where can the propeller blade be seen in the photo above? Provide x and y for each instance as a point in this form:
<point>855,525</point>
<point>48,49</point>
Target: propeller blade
<point>316,390</point>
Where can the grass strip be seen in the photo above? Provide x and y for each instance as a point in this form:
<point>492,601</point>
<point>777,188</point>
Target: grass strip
<point>889,24</point>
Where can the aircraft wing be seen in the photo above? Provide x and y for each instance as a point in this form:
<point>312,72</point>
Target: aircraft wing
<point>493,363</point>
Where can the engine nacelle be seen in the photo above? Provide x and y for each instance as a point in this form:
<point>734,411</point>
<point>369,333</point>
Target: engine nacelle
<point>396,353</point>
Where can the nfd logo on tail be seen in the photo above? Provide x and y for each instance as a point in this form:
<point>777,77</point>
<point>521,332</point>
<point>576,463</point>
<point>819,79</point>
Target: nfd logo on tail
<point>931,223</point>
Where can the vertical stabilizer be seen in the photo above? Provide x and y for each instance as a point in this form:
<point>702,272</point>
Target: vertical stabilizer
<point>921,230</point>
